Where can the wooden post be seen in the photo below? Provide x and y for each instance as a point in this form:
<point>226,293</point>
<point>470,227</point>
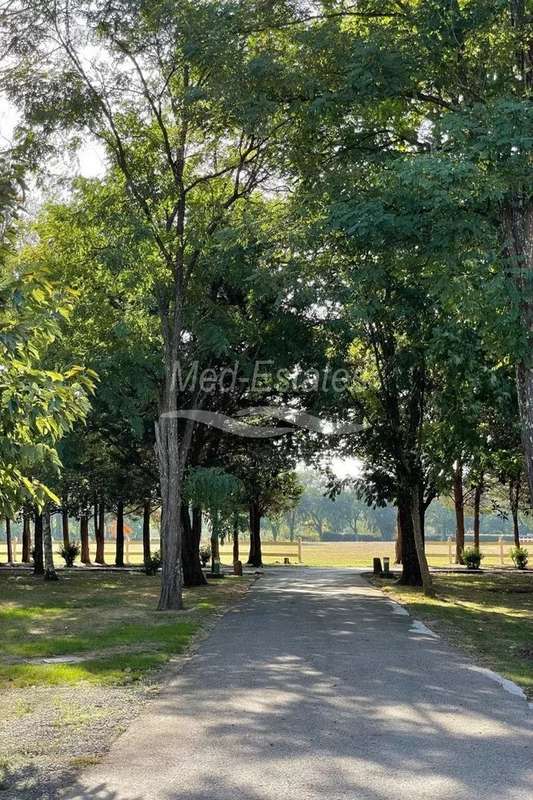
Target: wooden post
<point>127,549</point>
<point>502,557</point>
<point>14,548</point>
<point>450,550</point>
<point>300,559</point>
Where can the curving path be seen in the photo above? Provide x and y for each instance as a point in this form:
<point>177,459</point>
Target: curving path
<point>316,687</point>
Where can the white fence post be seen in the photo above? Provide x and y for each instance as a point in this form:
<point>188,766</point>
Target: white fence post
<point>300,559</point>
<point>502,557</point>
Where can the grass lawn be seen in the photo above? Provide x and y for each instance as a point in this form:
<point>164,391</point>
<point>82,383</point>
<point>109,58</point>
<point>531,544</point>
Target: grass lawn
<point>488,616</point>
<point>59,717</point>
<point>108,622</point>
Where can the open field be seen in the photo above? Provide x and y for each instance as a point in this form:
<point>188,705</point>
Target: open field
<point>488,616</point>
<point>59,715</point>
<point>320,554</point>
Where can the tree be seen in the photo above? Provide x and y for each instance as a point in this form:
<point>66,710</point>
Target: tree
<point>178,101</point>
<point>218,493</point>
<point>38,405</point>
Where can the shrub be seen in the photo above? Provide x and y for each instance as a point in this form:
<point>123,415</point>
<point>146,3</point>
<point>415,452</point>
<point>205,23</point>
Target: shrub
<point>520,557</point>
<point>152,564</point>
<point>472,557</point>
<point>205,554</point>
<point>69,554</point>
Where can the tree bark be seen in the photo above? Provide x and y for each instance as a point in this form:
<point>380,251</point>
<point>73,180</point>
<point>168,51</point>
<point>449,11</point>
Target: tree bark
<point>459,502</point>
<point>255,557</point>
<point>236,553</point>
<point>65,527</point>
<point>192,566</point>
<point>119,552</point>
<point>99,533</point>
<point>26,538</point>
<point>147,550</point>
<point>518,231</point>
<point>38,563</point>
<point>417,517</point>
<point>477,514</point>
<point>171,477</point>
<point>215,544</point>
<point>50,573</point>
<point>85,556</point>
<point>398,546</point>
<point>9,542</point>
<point>292,524</point>
<point>411,574</point>
<point>514,502</point>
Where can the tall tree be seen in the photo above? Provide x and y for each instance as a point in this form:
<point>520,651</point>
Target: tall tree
<point>178,102</point>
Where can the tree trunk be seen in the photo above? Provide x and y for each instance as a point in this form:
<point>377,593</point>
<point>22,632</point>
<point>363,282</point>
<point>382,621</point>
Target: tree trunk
<point>85,556</point>
<point>514,502</point>
<point>477,515</point>
<point>292,524</point>
<point>398,547</point>
<point>26,538</point>
<point>9,542</point>
<point>64,522</point>
<point>147,551</point>
<point>50,573</point>
<point>171,477</point>
<point>518,231</point>
<point>255,557</point>
<point>95,519</point>
<point>38,563</point>
<point>458,497</point>
<point>417,517</point>
<point>99,533</point>
<point>236,553</point>
<point>411,574</point>
<point>119,553</point>
<point>215,545</point>
<point>192,566</point>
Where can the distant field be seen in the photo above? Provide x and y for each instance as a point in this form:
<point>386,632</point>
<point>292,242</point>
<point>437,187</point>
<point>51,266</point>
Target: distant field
<point>318,554</point>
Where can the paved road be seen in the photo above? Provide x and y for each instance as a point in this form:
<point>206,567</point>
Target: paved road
<point>318,688</point>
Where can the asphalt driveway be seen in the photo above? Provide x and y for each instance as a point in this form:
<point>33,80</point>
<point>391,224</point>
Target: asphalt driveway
<point>317,687</point>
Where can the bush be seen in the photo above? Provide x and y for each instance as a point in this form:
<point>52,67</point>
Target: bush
<point>69,554</point>
<point>205,554</point>
<point>520,557</point>
<point>152,564</point>
<point>472,557</point>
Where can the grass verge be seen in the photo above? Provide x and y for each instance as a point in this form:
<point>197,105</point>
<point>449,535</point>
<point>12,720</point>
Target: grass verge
<point>108,623</point>
<point>490,617</point>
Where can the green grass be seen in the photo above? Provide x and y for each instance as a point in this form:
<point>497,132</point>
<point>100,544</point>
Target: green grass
<point>488,616</point>
<point>110,621</point>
